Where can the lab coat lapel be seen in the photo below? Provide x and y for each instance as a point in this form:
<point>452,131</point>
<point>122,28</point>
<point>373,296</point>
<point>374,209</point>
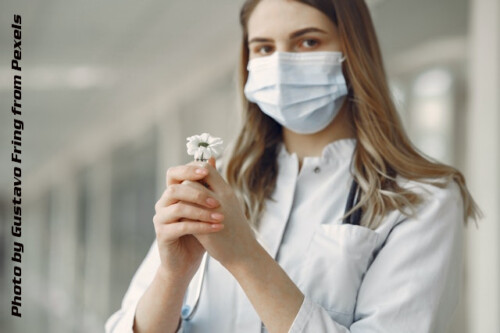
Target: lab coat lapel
<point>275,216</point>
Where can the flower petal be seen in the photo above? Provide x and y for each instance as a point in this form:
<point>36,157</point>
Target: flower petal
<point>204,137</point>
<point>214,146</point>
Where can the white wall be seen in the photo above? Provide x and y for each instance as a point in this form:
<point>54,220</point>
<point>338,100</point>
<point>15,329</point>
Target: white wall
<point>483,166</point>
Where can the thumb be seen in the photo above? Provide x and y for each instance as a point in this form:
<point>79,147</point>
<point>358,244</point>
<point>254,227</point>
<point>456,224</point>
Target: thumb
<point>211,161</point>
<point>214,178</point>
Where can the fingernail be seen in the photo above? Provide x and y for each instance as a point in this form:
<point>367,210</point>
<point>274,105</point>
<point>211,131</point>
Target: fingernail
<point>201,171</point>
<point>216,216</point>
<point>212,202</point>
<point>217,226</point>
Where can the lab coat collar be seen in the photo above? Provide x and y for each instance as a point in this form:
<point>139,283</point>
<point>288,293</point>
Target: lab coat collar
<point>338,149</point>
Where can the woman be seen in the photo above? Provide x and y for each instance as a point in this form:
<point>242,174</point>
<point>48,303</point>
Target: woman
<point>319,121</point>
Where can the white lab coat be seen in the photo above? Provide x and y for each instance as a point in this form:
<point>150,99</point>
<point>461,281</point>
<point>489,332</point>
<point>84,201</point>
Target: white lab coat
<point>404,276</point>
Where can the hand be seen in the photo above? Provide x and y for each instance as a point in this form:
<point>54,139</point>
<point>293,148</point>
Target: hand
<point>182,211</point>
<point>236,241</point>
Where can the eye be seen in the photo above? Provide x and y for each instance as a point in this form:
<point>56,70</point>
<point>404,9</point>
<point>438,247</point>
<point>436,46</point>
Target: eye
<point>309,43</point>
<point>263,49</point>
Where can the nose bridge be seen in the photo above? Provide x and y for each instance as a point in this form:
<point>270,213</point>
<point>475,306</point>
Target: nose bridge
<point>283,46</point>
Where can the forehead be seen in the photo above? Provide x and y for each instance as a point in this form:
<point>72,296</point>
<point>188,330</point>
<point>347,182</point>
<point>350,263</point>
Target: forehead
<point>281,17</point>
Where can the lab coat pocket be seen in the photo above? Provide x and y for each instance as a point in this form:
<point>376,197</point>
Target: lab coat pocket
<point>336,261</point>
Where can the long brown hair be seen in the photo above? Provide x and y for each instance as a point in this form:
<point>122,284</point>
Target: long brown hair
<point>383,150</point>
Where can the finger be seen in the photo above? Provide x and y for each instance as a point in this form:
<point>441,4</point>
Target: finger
<point>213,179</point>
<point>188,191</point>
<point>179,210</point>
<point>192,192</point>
<point>197,184</point>
<point>211,161</point>
<point>173,231</point>
<point>191,171</point>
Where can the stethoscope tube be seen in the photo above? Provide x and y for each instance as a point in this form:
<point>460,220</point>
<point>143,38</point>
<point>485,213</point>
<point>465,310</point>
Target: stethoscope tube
<point>352,200</point>
<point>194,289</point>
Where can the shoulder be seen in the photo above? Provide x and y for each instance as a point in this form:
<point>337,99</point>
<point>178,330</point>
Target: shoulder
<point>434,191</point>
<point>441,205</point>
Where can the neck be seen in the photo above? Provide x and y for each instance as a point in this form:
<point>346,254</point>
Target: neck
<point>312,144</point>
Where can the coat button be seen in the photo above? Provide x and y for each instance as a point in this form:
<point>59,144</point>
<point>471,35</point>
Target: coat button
<point>317,169</point>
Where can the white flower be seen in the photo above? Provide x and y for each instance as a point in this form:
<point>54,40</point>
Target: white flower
<point>204,146</point>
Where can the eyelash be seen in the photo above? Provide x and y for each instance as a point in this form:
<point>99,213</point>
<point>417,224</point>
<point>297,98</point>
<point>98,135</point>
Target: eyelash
<point>316,42</point>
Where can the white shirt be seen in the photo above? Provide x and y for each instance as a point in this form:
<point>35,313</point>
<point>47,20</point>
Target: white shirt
<point>404,276</point>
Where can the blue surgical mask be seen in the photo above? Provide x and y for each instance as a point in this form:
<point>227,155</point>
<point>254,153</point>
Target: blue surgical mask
<point>303,91</point>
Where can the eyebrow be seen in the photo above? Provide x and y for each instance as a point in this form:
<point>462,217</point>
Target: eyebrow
<point>293,35</point>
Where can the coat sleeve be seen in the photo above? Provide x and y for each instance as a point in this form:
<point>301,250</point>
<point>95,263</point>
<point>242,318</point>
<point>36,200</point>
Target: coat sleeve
<point>122,320</point>
<point>414,282</point>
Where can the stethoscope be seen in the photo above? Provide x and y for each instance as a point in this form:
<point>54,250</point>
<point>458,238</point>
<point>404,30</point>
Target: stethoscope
<point>194,289</point>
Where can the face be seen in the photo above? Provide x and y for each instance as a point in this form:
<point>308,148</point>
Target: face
<point>289,26</point>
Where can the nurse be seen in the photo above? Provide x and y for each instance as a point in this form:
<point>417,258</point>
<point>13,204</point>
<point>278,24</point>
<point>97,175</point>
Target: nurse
<point>281,254</point>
